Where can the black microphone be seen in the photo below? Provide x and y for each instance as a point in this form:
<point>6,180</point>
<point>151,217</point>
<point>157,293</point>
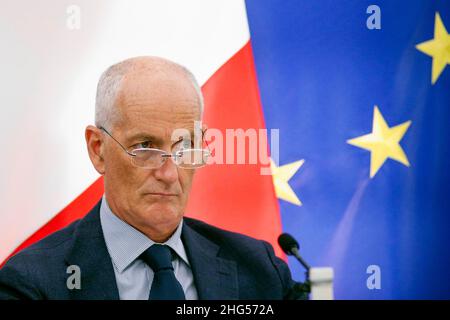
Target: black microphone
<point>291,247</point>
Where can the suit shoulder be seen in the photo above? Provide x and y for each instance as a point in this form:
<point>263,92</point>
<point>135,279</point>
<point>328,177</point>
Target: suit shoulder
<point>50,244</point>
<point>258,266</point>
<point>25,275</point>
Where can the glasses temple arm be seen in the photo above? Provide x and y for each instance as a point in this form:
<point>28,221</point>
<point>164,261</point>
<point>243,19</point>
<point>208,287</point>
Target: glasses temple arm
<point>124,149</point>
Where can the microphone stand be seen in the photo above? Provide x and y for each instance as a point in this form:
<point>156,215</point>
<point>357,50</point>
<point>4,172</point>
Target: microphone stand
<point>301,290</point>
<point>318,282</point>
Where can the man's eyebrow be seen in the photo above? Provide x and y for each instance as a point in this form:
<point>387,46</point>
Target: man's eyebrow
<point>191,135</point>
<point>148,137</point>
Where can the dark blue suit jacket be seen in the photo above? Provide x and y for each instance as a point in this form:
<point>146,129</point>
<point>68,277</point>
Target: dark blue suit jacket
<point>225,265</point>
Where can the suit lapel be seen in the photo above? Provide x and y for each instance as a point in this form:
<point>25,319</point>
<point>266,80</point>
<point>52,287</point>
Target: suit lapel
<point>215,278</point>
<point>89,252</point>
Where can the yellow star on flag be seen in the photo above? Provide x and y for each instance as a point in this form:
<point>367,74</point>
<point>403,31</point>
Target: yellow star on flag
<point>438,48</point>
<point>383,142</point>
<point>281,176</point>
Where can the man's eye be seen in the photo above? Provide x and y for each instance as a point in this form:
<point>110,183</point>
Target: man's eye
<point>145,144</point>
<point>184,144</point>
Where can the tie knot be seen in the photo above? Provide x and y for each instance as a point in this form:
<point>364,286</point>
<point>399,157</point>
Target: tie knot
<point>158,257</point>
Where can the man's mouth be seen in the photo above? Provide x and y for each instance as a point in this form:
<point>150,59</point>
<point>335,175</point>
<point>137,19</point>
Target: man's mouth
<point>162,194</point>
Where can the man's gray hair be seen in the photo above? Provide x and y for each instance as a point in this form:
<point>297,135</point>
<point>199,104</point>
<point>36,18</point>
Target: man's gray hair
<point>110,82</point>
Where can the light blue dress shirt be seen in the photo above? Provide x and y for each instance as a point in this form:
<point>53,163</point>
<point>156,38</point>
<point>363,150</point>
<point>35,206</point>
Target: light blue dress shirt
<point>125,244</point>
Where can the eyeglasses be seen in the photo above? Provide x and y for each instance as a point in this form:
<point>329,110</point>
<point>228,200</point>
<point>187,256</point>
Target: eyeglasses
<point>150,158</point>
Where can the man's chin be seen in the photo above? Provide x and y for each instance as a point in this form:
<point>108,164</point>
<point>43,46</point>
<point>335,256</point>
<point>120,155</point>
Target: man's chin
<point>162,213</point>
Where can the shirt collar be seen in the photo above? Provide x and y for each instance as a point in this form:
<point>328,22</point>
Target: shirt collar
<point>125,243</point>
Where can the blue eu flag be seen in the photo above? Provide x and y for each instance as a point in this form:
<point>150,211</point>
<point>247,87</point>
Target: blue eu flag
<point>361,94</point>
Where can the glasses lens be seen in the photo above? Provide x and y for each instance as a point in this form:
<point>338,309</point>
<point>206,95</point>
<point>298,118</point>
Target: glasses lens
<point>191,158</point>
<point>148,158</point>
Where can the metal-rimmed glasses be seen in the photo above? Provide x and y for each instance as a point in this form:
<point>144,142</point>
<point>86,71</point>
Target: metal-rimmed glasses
<point>150,158</point>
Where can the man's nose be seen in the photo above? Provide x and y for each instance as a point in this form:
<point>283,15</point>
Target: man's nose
<point>168,172</point>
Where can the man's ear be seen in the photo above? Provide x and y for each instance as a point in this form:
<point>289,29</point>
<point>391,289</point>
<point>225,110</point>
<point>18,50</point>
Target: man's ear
<point>95,146</point>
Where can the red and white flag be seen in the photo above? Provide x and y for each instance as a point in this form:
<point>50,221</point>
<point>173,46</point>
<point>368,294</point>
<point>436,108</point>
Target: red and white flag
<point>51,65</point>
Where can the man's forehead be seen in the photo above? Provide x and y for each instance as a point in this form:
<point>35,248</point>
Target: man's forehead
<point>157,85</point>
<point>153,105</point>
<point>166,115</point>
<point>157,97</point>
<point>160,134</point>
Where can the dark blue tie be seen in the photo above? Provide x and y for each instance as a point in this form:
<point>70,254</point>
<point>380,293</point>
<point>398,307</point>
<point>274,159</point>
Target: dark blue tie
<point>165,286</point>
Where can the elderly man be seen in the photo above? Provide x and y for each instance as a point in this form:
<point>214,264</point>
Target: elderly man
<point>135,243</point>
